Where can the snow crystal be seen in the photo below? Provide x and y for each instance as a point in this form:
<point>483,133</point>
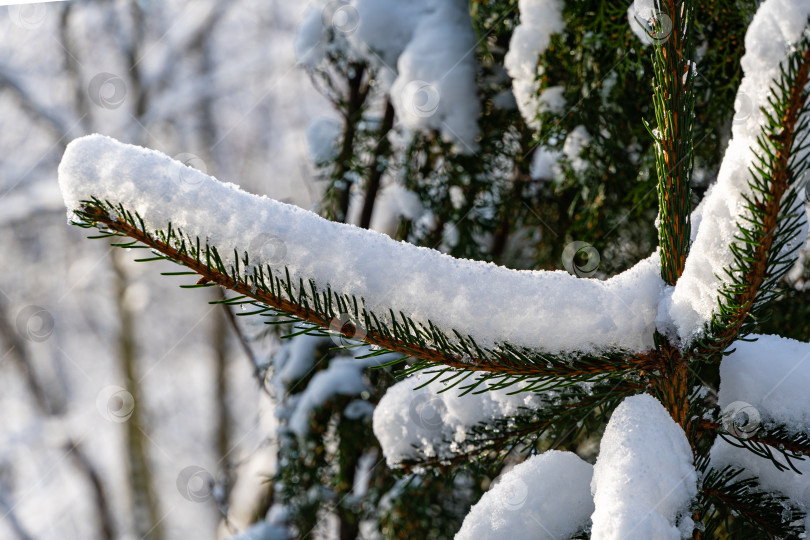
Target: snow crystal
<point>412,423</point>
<point>550,311</point>
<point>547,497</point>
<point>694,300</point>
<point>644,479</point>
<point>539,20</point>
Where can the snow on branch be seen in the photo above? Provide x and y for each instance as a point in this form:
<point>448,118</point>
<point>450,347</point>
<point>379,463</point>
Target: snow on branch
<point>644,479</point>
<point>546,497</point>
<point>752,223</point>
<point>772,375</point>
<point>544,311</point>
<point>539,20</point>
<point>424,52</point>
<point>423,421</point>
<point>415,420</point>
<point>765,422</point>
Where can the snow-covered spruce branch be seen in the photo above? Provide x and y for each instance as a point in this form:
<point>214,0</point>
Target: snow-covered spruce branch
<point>724,290</point>
<point>770,443</point>
<point>315,301</point>
<point>730,492</point>
<point>547,416</point>
<point>276,295</point>
<point>766,245</point>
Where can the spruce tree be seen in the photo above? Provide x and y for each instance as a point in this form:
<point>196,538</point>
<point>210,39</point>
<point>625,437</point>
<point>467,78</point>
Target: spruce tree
<point>701,421</point>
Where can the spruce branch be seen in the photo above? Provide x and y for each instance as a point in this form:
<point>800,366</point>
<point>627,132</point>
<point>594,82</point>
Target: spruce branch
<point>562,418</point>
<point>763,250</point>
<point>724,497</point>
<point>274,294</point>
<point>768,442</point>
<point>674,102</point>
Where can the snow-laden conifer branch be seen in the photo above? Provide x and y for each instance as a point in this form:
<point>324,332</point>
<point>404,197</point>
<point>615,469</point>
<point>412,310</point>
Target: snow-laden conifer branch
<point>276,295</point>
<point>762,397</point>
<point>465,440</point>
<point>538,324</point>
<point>777,443</point>
<point>753,222</point>
<point>774,217</point>
<point>726,494</point>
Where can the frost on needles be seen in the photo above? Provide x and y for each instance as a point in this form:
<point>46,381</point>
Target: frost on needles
<point>505,356</point>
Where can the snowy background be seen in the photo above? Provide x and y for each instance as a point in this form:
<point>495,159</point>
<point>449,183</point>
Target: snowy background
<point>215,81</point>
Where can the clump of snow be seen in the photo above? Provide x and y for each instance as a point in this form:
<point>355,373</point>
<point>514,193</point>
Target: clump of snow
<point>343,377</point>
<point>574,144</point>
<point>539,20</point>
<point>386,27</point>
<point>644,478</point>
<point>772,375</point>
<point>640,15</point>
<point>693,302</point>
<point>263,531</point>
<point>323,135</point>
<point>574,314</point>
<point>412,423</point>
<point>545,164</point>
<point>427,47</point>
<point>547,497</point>
<point>792,485</point>
<point>435,88</point>
<point>296,359</point>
